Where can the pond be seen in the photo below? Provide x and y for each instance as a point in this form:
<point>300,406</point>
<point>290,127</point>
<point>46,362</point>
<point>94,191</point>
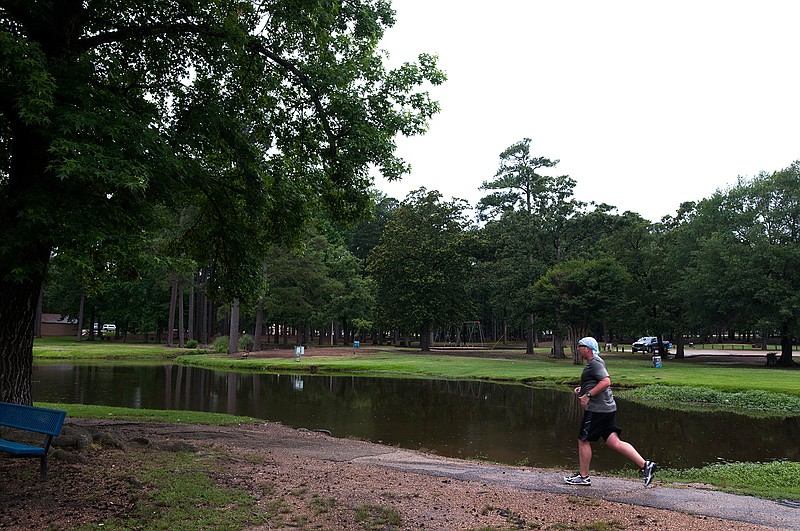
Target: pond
<point>510,424</point>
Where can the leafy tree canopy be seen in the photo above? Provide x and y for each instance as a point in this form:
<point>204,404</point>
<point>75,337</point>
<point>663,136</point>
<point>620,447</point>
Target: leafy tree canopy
<point>423,264</point>
<point>579,293</point>
<point>745,262</point>
<point>254,114</point>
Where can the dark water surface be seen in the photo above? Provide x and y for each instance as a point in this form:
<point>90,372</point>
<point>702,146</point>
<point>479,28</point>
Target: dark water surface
<point>499,422</point>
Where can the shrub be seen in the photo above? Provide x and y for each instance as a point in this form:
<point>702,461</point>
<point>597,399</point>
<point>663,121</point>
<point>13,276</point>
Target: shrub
<point>221,344</point>
<point>245,341</point>
<point>192,343</point>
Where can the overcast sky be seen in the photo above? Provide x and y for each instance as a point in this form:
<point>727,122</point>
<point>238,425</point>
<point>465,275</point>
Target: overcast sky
<point>645,103</point>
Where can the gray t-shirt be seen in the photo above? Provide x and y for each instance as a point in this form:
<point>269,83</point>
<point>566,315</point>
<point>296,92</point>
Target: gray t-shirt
<point>593,372</point>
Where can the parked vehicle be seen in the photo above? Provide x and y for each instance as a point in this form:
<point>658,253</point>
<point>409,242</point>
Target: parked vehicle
<point>109,328</point>
<point>648,344</point>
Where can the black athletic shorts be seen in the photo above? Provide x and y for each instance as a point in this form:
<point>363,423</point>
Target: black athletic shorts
<point>596,425</point>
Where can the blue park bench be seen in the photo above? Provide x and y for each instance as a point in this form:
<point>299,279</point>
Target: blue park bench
<point>47,422</point>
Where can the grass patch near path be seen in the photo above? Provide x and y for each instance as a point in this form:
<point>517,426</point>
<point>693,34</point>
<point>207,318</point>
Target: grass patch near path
<point>178,491</point>
<point>776,480</point>
<point>752,402</point>
<point>374,517</point>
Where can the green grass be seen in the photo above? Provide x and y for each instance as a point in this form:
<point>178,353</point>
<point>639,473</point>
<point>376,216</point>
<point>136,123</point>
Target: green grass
<point>376,517</point>
<point>181,494</point>
<point>63,348</point>
<point>776,480</point>
<point>602,525</point>
<point>626,371</point>
<point>753,402</point>
<point>149,415</point>
<point>733,346</point>
<point>322,505</point>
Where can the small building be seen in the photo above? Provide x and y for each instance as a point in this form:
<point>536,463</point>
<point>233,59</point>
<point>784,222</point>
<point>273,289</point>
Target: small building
<point>55,324</point>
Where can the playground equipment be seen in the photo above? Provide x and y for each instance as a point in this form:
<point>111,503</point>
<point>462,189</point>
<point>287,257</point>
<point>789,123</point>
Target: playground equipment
<point>469,334</point>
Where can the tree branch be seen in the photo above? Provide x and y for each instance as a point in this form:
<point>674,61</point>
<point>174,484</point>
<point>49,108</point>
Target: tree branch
<point>254,45</point>
<point>305,82</point>
<point>132,33</point>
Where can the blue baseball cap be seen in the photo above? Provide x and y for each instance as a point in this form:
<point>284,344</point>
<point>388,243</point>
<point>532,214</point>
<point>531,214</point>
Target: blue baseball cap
<point>591,343</point>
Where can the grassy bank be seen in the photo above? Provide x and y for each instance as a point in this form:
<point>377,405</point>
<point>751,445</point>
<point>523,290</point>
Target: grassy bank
<point>754,391</point>
<point>149,415</point>
<point>64,348</point>
<point>752,402</point>
<point>626,370</point>
<point>677,384</point>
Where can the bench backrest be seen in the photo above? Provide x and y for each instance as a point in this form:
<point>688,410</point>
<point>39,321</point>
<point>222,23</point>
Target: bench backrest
<point>38,419</point>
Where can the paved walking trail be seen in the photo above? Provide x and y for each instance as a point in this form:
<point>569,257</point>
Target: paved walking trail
<point>696,501</point>
<point>691,500</point>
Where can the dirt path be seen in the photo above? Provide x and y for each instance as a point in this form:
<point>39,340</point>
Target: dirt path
<point>428,492</point>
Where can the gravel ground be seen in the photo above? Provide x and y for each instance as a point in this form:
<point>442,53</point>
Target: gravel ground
<point>300,468</point>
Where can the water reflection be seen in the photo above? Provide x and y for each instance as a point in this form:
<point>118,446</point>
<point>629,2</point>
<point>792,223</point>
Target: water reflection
<point>468,419</point>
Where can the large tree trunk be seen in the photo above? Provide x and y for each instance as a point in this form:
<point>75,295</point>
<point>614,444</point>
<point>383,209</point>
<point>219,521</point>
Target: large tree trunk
<point>233,338</point>
<point>17,318</point>
<point>204,317</point>
<point>680,351</point>
<point>258,328</point>
<point>80,316</point>
<point>558,346</point>
<point>24,252</point>
<point>18,308</point>
<point>173,297</point>
<point>786,351</point>
<point>425,337</point>
<point>181,329</point>
<point>92,328</point>
<point>576,333</point>
<point>661,350</point>
<point>191,334</point>
<point>529,345</point>
<point>38,322</point>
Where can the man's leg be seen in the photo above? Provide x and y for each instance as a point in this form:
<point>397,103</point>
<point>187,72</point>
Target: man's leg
<point>615,443</point>
<point>584,456</point>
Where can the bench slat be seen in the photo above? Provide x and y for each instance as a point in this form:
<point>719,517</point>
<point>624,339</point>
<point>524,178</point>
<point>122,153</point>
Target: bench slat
<point>20,449</point>
<point>40,420</point>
